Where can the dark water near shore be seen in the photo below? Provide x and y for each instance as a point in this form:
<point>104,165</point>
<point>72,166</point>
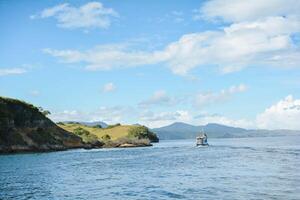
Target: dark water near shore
<point>248,168</point>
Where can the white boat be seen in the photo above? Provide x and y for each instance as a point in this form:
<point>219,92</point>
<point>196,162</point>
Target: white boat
<point>201,140</point>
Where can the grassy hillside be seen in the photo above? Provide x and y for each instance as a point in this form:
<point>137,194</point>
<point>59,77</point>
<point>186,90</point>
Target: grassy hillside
<point>111,133</point>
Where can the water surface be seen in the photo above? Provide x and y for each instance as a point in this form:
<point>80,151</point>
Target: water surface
<point>245,168</point>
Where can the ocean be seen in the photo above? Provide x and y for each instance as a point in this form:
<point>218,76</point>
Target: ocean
<point>237,168</point>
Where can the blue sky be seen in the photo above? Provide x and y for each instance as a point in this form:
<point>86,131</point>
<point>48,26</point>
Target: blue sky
<point>157,62</point>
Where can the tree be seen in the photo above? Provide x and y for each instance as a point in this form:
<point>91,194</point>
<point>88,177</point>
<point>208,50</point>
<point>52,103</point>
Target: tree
<point>81,131</point>
<point>142,132</point>
<point>44,112</point>
<point>106,137</point>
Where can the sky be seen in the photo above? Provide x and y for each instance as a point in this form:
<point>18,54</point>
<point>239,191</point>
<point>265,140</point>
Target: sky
<point>155,62</point>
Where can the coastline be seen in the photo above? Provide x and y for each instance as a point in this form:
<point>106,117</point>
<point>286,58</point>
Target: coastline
<point>26,150</point>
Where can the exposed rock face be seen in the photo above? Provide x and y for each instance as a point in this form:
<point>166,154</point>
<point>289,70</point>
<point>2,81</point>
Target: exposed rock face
<point>24,128</point>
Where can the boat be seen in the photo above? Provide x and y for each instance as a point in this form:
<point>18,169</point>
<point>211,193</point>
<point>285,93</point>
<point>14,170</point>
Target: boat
<point>201,140</point>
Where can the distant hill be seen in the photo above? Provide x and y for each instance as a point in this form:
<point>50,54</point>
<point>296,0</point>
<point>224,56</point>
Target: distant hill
<point>179,130</point>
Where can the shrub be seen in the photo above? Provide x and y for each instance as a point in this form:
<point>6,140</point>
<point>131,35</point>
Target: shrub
<point>106,137</point>
<point>85,135</point>
<point>114,125</point>
<point>126,140</point>
<point>142,132</point>
<point>44,112</point>
<point>81,131</point>
<point>97,126</point>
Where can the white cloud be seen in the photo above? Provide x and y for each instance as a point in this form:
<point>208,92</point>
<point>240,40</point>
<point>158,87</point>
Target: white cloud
<point>159,97</point>
<point>160,119</point>
<point>12,71</point>
<point>106,57</point>
<point>260,33</point>
<point>109,87</point>
<point>203,99</point>
<point>177,16</point>
<point>34,93</point>
<point>264,42</point>
<point>237,11</point>
<point>109,115</point>
<point>90,15</point>
<point>219,119</point>
<point>285,114</point>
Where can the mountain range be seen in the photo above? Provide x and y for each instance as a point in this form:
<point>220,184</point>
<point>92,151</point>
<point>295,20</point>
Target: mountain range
<point>180,130</point>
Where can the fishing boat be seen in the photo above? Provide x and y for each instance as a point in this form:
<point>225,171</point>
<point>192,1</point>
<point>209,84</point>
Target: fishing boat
<point>201,140</point>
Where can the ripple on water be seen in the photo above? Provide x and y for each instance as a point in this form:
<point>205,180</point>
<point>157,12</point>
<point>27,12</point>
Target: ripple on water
<point>262,168</point>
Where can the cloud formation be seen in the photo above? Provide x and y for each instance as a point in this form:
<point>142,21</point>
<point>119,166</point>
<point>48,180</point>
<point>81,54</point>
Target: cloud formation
<point>220,119</point>
<point>110,115</point>
<point>89,15</point>
<point>208,98</point>
<point>265,42</point>
<point>159,119</point>
<point>285,114</point>
<point>237,11</point>
<point>159,97</point>
<point>12,71</point>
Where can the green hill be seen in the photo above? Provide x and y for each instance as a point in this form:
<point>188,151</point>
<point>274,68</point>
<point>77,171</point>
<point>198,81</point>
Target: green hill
<point>112,135</point>
<point>24,127</point>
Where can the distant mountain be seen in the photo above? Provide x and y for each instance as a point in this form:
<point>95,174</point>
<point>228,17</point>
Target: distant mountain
<point>218,130</point>
<point>96,123</point>
<point>179,130</point>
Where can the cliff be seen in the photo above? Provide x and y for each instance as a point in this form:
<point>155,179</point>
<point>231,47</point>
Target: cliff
<point>24,128</point>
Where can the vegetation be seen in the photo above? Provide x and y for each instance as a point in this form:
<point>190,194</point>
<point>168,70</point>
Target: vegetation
<point>114,134</point>
<point>97,126</point>
<point>23,127</point>
<point>44,112</point>
<point>85,135</point>
<point>127,141</point>
<point>105,137</point>
<point>113,126</point>
<point>142,132</point>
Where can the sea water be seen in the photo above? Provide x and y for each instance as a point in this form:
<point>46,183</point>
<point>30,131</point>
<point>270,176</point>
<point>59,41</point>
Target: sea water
<point>240,168</point>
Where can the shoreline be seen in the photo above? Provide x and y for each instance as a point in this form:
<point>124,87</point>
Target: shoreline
<point>30,151</point>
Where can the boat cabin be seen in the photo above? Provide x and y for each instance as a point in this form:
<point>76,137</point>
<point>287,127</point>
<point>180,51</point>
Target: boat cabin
<point>201,140</point>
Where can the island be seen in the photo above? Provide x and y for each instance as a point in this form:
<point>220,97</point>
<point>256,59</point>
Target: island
<point>26,128</point>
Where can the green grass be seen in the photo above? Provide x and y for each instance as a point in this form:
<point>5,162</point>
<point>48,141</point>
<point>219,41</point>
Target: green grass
<point>114,133</point>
